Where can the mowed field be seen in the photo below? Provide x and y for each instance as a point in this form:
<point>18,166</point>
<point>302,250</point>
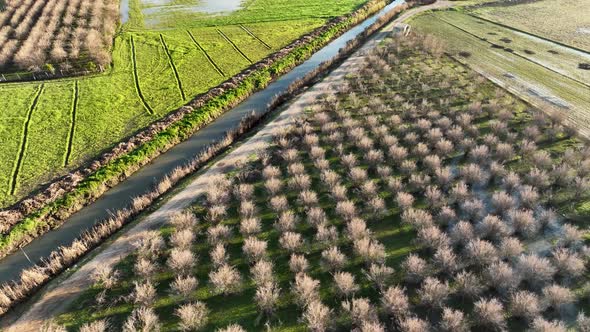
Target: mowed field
<point>566,21</point>
<point>48,128</point>
<point>533,68</point>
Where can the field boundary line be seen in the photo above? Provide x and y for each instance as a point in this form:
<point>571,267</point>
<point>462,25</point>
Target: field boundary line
<point>515,53</point>
<point>255,36</point>
<point>23,146</point>
<point>136,78</point>
<point>529,33</point>
<point>174,69</point>
<point>217,69</point>
<point>72,124</point>
<point>234,45</point>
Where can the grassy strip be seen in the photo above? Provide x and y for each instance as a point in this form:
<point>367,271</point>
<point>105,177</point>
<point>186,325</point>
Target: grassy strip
<point>52,215</point>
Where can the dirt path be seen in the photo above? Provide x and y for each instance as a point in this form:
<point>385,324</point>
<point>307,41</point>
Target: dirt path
<point>59,296</point>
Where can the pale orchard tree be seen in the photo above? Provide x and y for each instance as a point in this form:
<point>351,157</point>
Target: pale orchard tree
<point>333,259</point>
<point>254,249</point>
<point>395,302</point>
<point>445,260</point>
<point>291,241</point>
<point>218,255</point>
<point>490,313</point>
<point>556,297</point>
<point>481,252</point>
<point>360,310</point>
<point>181,260</point>
<point>434,293</point>
<point>144,293</point>
<point>305,289</point>
<point>193,316</point>
<point>414,324</point>
<point>510,248</point>
<point>262,272</point>
<point>142,319</point>
<point>345,284</point>
<point>468,284</point>
<point>232,328</point>
<point>267,297</point>
<point>380,275</point>
<point>453,321</point>
<point>541,325</point>
<point>226,279</point>
<point>502,277</point>
<point>317,316</point>
<point>184,286</point>
<point>415,268</point>
<point>534,269</point>
<point>525,305</point>
<point>298,263</point>
<point>568,263</point>
<point>97,326</point>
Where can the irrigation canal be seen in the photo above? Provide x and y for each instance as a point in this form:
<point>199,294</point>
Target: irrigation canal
<point>121,195</point>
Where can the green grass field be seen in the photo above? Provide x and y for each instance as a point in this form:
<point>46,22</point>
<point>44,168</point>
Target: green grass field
<point>167,65</point>
<point>566,21</point>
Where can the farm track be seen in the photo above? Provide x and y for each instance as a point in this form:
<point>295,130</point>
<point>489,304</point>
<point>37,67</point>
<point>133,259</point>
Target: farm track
<point>136,78</point>
<point>217,69</point>
<point>75,99</point>
<point>234,45</point>
<point>173,66</point>
<point>23,146</point>
<point>515,53</point>
<point>255,37</point>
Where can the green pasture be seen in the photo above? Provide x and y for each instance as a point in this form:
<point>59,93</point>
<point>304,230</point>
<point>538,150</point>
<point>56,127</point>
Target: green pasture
<point>155,70</point>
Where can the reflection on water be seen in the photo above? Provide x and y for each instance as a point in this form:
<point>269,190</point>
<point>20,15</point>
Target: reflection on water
<point>159,7</point>
<point>204,6</point>
<point>124,9</point>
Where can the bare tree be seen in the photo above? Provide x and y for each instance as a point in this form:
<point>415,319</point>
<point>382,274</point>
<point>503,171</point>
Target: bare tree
<point>453,321</point>
<point>193,316</point>
<point>345,284</point>
<point>434,293</point>
<point>525,305</point>
<point>317,316</point>
<point>226,279</point>
<point>490,313</point>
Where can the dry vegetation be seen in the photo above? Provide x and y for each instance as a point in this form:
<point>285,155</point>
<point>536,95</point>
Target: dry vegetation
<point>57,34</point>
<point>412,146</point>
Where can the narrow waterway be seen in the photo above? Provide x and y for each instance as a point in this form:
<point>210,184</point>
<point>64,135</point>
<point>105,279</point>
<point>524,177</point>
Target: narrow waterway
<point>137,184</point>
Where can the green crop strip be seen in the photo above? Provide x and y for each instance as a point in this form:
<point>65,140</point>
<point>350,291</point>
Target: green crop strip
<point>234,45</point>
<point>76,95</point>
<point>173,66</point>
<point>256,37</point>
<point>136,78</point>
<point>206,54</point>
<point>23,146</point>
